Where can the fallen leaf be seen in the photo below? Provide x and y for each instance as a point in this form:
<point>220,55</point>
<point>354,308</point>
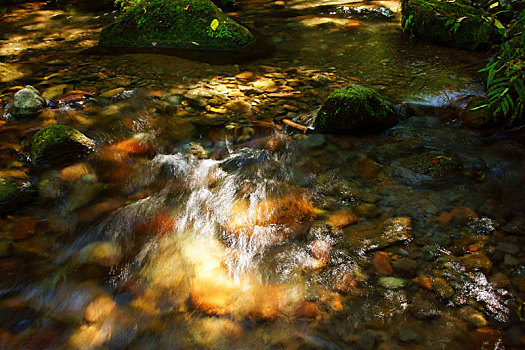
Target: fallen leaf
<point>214,24</point>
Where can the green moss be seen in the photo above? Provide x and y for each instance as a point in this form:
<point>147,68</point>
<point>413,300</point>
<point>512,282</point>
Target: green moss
<point>354,108</point>
<point>58,141</point>
<point>8,190</point>
<point>455,24</point>
<point>175,24</point>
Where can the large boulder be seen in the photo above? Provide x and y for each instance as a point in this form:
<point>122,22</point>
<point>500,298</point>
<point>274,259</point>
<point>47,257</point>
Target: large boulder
<point>198,24</point>
<point>354,108</point>
<point>59,143</point>
<point>27,102</point>
<point>455,24</point>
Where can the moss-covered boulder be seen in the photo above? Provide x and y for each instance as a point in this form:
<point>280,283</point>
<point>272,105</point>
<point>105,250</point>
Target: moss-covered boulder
<point>354,108</point>
<point>27,102</point>
<point>197,24</point>
<point>455,24</point>
<point>59,143</point>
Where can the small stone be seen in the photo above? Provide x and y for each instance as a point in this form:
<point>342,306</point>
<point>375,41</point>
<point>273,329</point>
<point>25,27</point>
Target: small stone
<point>499,280</point>
<point>484,338</point>
<point>321,250</point>
<point>391,282</point>
<point>473,317</point>
<point>27,102</point>
<point>368,210</point>
<point>381,262</point>
<point>55,91</point>
<point>406,267</point>
<point>306,309</point>
<point>510,261</point>
<point>409,336</point>
<point>366,168</point>
<point>312,141</point>
<point>74,172</point>
<point>290,108</point>
<point>463,215</point>
<point>424,282</point>
<point>344,283</point>
<point>476,261</point>
<point>102,253</point>
<point>112,93</point>
<point>342,218</point>
<point>99,309</point>
<point>442,288</point>
<point>239,107</point>
<point>245,76</point>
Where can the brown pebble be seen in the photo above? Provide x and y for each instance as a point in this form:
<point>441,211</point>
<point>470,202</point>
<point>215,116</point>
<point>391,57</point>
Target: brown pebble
<point>306,309</point>
<point>342,218</point>
<point>290,108</point>
<point>283,95</point>
<point>344,283</point>
<point>381,262</point>
<point>245,76</point>
<point>99,309</point>
<point>321,250</point>
<point>424,282</point>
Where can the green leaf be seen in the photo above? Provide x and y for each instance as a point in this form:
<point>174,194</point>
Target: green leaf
<point>214,24</point>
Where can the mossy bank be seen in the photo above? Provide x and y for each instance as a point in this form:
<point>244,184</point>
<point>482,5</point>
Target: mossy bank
<point>455,24</point>
<point>198,24</point>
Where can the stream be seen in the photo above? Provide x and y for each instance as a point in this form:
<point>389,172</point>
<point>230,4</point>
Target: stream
<point>203,220</point>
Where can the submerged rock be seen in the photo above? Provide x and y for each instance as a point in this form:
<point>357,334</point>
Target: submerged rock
<point>354,108</point>
<point>12,194</point>
<point>455,24</point>
<point>198,24</point>
<point>427,169</point>
<point>27,102</point>
<point>58,143</point>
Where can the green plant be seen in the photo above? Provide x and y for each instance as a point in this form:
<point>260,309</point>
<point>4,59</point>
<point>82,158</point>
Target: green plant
<point>505,75</point>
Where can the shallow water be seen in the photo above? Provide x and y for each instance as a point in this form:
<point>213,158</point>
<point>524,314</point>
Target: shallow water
<point>204,221</point>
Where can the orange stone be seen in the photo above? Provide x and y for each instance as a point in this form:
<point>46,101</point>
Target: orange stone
<point>342,218</point>
<point>74,172</point>
<point>134,147</point>
<point>381,262</point>
<point>424,282</point>
<point>306,309</point>
<point>321,250</point>
<point>99,309</point>
<point>245,76</point>
<point>344,283</point>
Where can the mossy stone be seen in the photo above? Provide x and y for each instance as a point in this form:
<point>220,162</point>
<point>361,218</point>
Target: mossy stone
<point>59,143</point>
<point>354,108</point>
<point>175,24</point>
<point>455,24</point>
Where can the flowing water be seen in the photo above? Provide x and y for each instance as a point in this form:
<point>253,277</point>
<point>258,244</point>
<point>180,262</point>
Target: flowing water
<point>203,221</point>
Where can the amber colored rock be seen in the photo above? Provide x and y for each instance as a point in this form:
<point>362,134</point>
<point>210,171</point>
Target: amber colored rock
<point>96,211</point>
<point>89,337</point>
<point>245,76</point>
<point>424,282</point>
<point>146,303</point>
<point>99,309</point>
<point>306,309</point>
<point>366,168</point>
<point>444,218</point>
<point>342,218</point>
<point>484,338</point>
<point>134,147</point>
<point>240,107</point>
<point>368,210</point>
<point>268,301</point>
<point>381,262</point>
<point>289,212</point>
<point>74,172</point>
<point>344,283</point>
<point>213,296</point>
<point>477,261</point>
<point>463,215</point>
<point>321,250</point>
